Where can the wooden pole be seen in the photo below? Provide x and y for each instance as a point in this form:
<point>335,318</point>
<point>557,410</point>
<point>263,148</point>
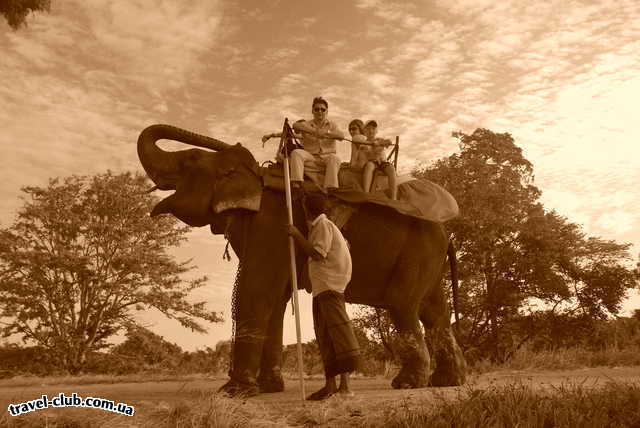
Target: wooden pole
<point>395,156</point>
<point>286,134</point>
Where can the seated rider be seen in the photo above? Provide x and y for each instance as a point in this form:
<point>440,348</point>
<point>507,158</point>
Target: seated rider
<point>377,159</point>
<point>358,150</point>
<point>318,140</point>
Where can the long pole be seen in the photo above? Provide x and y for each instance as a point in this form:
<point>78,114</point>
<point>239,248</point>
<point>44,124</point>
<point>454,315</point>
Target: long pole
<point>286,134</point>
<point>395,156</point>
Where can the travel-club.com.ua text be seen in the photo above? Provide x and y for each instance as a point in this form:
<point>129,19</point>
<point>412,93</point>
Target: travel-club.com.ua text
<point>61,400</point>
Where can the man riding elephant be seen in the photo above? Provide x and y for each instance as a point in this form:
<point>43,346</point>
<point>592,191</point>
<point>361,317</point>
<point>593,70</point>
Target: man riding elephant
<point>319,141</point>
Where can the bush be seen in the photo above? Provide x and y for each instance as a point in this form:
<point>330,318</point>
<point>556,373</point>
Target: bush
<point>34,360</point>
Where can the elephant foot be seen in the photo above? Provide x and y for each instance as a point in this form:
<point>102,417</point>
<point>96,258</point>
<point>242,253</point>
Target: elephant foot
<point>414,357</point>
<point>442,378</point>
<point>451,366</point>
<point>449,371</point>
<point>271,383</point>
<point>410,380</point>
<point>235,389</point>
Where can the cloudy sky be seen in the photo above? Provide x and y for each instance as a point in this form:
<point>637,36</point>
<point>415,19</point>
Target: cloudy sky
<point>79,84</point>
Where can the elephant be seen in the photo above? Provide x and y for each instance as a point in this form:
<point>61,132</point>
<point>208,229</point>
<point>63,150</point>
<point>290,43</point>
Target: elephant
<point>398,261</point>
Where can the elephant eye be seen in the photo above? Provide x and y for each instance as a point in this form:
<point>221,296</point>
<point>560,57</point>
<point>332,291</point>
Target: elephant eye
<point>227,173</point>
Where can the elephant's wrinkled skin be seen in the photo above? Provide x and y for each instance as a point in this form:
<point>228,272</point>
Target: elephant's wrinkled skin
<point>398,261</point>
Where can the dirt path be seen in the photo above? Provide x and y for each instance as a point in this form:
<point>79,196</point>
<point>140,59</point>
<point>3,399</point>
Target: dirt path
<point>374,392</point>
<point>380,390</point>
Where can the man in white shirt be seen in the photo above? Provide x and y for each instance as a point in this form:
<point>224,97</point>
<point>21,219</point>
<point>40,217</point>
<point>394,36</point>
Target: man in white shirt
<point>329,274</point>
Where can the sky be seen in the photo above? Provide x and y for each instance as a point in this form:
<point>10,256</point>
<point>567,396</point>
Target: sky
<point>78,85</point>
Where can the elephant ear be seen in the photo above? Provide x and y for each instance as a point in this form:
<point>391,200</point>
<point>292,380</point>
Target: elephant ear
<point>237,181</point>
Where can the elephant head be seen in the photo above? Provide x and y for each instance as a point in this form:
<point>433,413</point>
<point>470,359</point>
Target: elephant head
<point>206,182</point>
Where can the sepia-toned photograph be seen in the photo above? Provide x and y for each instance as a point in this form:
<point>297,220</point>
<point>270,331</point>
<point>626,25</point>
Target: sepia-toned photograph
<point>281,213</point>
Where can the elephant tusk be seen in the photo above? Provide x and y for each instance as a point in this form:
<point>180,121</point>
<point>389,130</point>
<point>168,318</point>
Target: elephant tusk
<point>151,190</point>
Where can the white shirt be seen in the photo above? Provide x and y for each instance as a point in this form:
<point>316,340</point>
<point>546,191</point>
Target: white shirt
<point>333,271</point>
<point>320,146</point>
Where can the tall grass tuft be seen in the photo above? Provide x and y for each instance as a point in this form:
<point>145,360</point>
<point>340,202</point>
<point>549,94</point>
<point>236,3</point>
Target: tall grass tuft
<point>215,410</point>
<point>565,359</point>
<point>615,405</point>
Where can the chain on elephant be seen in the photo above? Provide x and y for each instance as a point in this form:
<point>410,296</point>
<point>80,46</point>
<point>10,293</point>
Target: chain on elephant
<point>234,313</point>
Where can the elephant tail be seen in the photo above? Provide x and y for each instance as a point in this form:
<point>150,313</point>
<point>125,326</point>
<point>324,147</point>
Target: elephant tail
<point>453,263</point>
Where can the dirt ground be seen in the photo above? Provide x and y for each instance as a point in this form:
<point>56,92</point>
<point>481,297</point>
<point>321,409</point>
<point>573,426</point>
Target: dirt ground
<point>153,395</point>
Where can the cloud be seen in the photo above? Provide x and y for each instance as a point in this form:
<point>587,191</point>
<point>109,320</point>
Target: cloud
<point>152,43</point>
<point>81,82</point>
<point>280,57</point>
<point>383,83</point>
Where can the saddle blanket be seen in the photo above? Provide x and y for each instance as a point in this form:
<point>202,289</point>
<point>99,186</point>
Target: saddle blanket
<point>419,198</point>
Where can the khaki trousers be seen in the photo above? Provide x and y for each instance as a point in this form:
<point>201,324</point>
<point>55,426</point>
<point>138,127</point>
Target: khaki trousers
<point>331,162</point>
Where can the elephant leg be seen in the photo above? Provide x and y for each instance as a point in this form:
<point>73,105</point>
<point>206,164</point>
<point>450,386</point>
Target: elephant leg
<point>247,350</point>
<point>252,318</point>
<point>450,364</point>
<point>410,346</point>
<point>270,377</point>
<point>415,275</point>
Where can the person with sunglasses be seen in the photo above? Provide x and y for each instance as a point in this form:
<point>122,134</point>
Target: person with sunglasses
<point>319,137</point>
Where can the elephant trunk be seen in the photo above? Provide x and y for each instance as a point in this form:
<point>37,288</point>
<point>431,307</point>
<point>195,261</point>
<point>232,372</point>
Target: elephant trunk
<point>164,168</point>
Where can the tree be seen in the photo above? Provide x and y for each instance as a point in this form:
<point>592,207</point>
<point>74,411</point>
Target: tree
<point>149,348</point>
<point>82,257</point>
<point>16,11</point>
<point>493,184</point>
<point>311,358</point>
<point>222,355</point>
<point>375,359</point>
<point>512,252</point>
<point>379,332</point>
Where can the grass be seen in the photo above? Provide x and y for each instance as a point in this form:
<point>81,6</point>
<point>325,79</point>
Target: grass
<point>210,410</point>
<point>20,381</point>
<point>615,405</point>
<point>216,411</point>
<point>517,404</point>
<point>564,359</point>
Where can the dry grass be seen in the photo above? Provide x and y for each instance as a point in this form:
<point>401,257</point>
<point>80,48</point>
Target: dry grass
<point>570,405</point>
<point>20,381</point>
<point>516,404</point>
<point>565,359</point>
<point>216,410</point>
<point>66,418</point>
<point>615,405</point>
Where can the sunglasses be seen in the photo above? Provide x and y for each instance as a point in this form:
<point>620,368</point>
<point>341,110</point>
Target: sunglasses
<point>353,128</point>
<point>319,109</point>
